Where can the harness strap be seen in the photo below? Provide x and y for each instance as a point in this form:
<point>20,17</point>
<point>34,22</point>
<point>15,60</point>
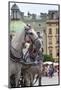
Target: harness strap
<point>16,59</point>
<point>36,39</point>
<point>12,56</point>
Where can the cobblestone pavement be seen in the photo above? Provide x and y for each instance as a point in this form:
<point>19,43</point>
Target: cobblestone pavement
<point>49,81</point>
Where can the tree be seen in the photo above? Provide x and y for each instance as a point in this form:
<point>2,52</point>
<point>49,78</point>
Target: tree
<point>47,58</point>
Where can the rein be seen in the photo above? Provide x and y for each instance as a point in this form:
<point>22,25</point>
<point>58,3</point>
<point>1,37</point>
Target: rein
<point>16,59</point>
<point>36,39</point>
<point>30,37</point>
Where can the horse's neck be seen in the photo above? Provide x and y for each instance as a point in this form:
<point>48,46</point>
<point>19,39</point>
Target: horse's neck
<point>16,43</point>
<point>18,40</point>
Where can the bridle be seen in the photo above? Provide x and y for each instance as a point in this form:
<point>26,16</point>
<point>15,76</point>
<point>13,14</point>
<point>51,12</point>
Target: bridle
<point>33,41</point>
<point>15,58</point>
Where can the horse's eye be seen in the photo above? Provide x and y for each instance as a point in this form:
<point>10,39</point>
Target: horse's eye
<point>31,33</point>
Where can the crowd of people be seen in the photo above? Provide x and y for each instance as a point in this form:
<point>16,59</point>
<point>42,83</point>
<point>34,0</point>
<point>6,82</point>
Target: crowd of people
<point>49,70</point>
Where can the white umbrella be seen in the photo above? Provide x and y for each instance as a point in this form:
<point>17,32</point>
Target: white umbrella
<point>56,64</point>
<point>48,62</point>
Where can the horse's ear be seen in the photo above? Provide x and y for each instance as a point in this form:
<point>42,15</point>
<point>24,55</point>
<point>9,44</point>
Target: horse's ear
<point>26,28</point>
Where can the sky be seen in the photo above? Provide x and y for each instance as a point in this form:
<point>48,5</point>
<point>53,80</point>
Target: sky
<point>35,8</point>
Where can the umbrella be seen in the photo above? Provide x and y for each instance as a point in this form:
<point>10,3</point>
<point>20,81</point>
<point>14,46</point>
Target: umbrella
<point>48,62</point>
<point>56,64</point>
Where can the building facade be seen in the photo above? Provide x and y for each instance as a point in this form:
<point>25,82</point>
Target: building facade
<point>52,37</point>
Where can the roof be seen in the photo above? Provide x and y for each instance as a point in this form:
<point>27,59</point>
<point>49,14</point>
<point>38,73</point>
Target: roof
<point>14,7</point>
<point>52,21</point>
<point>53,11</point>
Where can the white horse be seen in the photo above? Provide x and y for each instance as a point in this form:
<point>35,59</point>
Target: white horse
<point>15,67</point>
<point>15,63</point>
<point>15,48</point>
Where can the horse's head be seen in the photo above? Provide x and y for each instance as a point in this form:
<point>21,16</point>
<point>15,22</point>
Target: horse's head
<point>30,32</point>
<point>32,35</point>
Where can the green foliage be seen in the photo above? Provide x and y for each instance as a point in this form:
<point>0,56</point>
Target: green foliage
<point>47,58</point>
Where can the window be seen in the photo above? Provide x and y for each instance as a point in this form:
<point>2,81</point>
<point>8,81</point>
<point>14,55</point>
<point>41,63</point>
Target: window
<point>16,14</point>
<point>57,40</point>
<point>57,52</point>
<point>50,31</point>
<point>50,40</point>
<point>50,52</point>
<point>56,30</point>
<point>13,14</point>
<point>50,24</point>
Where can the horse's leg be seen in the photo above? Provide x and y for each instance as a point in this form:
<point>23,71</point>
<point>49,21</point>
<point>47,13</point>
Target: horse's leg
<point>18,74</point>
<point>12,72</point>
<point>40,81</point>
<point>40,75</point>
<point>18,78</point>
<point>26,79</point>
<point>31,79</point>
<point>26,82</point>
<point>12,81</point>
<point>9,84</point>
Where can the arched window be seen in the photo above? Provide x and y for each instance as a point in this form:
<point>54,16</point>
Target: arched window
<point>16,14</point>
<point>13,14</point>
<point>50,30</point>
<point>50,52</point>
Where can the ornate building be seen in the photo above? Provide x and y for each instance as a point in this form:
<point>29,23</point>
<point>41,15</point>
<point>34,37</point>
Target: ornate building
<point>16,14</point>
<point>52,35</point>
